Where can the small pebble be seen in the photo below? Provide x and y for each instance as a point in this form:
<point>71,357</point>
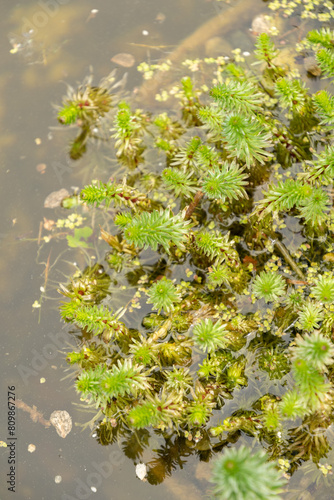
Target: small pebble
<point>123,59</point>
<point>42,380</point>
<point>94,490</point>
<point>141,471</point>
<point>54,199</point>
<point>144,32</point>
<point>58,479</point>
<point>160,18</point>
<point>31,448</point>
<point>41,167</point>
<point>62,421</point>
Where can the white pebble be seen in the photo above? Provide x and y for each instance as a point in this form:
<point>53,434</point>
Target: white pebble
<point>58,479</point>
<point>94,490</point>
<point>144,32</point>
<point>141,471</point>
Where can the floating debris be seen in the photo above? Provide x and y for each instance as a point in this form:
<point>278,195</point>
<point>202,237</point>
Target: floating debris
<point>62,421</point>
<point>35,415</point>
<point>48,224</point>
<point>311,66</point>
<point>160,18</point>
<point>31,448</point>
<point>141,471</point>
<point>262,24</point>
<point>92,15</point>
<point>54,199</point>
<point>41,167</point>
<point>124,59</point>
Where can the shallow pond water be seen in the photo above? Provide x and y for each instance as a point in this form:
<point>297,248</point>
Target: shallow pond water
<point>46,45</point>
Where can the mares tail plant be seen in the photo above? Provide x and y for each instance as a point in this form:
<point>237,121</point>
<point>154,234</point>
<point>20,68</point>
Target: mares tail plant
<point>239,474</point>
<point>195,241</point>
<point>85,107</point>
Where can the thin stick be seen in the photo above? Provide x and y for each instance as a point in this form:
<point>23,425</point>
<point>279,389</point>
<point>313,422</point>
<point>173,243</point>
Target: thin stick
<point>284,251</point>
<point>221,24</point>
<point>198,196</point>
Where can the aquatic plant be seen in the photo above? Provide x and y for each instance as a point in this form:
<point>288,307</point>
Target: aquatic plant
<point>240,475</point>
<point>187,241</point>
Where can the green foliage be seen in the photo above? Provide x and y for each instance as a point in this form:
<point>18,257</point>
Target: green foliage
<point>198,413</point>
<point>153,229</point>
<point>168,128</point>
<point>322,37</point>
<point>315,349</point>
<point>310,356</point>
<point>325,60</point>
<point>215,246</point>
<point>265,49</point>
<point>178,380</point>
<point>85,108</point>
<point>324,104</point>
<point>322,169</point>
<point>185,201</point>
<point>219,275</point>
<point>78,239</point>
<point>90,317</point>
<point>309,316</point>
<point>223,182</point>
<point>123,378</point>
<point>314,207</point>
<point>324,289</point>
<point>144,415</point>
<point>240,475</point>
<point>161,410</point>
<point>87,105</point>
<point>128,130</point>
<point>283,196</point>
<point>311,384</point>
<point>69,113</point>
<point>237,96</point>
<point>209,336</point>
<point>119,194</point>
<point>292,94</point>
<point>186,157</point>
<point>245,139</point>
<point>143,352</point>
<point>179,182</point>
<point>163,295</point>
<point>268,286</point>
<point>292,405</point>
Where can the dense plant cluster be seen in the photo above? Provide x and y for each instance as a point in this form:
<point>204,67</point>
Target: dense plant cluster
<point>229,309</point>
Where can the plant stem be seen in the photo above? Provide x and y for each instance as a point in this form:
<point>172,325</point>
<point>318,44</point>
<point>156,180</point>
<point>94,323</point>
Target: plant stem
<point>198,196</point>
<point>284,251</point>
